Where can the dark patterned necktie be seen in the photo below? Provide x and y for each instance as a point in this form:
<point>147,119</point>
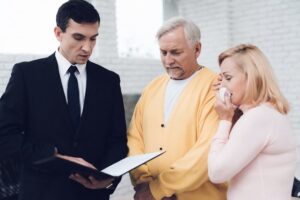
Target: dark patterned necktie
<point>73,97</point>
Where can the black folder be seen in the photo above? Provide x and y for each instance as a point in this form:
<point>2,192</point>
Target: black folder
<point>66,167</point>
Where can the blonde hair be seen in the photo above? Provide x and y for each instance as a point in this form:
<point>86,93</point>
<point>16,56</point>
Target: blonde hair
<point>261,83</point>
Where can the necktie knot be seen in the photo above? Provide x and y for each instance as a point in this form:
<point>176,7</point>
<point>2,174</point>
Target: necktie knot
<point>72,69</point>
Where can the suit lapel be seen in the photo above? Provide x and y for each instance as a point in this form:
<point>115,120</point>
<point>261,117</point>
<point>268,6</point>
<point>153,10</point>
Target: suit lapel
<point>90,91</point>
<point>57,92</point>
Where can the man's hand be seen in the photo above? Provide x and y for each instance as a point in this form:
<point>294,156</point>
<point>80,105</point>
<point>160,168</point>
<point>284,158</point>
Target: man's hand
<point>91,182</point>
<point>142,192</point>
<point>173,197</point>
<point>76,160</point>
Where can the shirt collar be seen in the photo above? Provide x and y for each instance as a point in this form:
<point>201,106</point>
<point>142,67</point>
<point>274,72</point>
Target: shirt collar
<point>64,64</point>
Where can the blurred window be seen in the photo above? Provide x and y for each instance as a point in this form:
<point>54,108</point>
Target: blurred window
<point>27,26</point>
<point>137,24</point>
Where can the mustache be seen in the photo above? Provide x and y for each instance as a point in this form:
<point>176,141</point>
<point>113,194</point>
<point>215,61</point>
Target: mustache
<point>172,67</point>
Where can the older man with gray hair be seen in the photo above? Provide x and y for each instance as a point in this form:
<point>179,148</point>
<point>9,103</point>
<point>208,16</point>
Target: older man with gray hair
<point>175,113</point>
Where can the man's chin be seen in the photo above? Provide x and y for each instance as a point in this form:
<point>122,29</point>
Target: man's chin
<point>175,76</point>
<point>81,61</point>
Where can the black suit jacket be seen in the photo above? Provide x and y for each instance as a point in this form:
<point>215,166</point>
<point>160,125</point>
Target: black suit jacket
<point>34,119</point>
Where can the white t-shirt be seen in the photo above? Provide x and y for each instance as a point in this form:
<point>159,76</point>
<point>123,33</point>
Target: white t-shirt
<point>173,90</point>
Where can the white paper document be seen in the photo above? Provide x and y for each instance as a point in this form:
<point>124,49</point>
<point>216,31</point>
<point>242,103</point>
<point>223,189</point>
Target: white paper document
<point>127,164</point>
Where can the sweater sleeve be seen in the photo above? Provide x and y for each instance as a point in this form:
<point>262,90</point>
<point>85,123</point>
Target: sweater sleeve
<point>136,145</point>
<point>190,172</point>
<point>229,155</point>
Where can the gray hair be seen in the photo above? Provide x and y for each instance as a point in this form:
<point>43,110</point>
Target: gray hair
<point>191,30</point>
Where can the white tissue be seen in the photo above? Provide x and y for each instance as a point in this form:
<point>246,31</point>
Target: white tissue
<point>222,92</point>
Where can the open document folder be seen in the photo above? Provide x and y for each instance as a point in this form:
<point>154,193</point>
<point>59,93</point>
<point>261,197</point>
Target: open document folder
<point>67,166</point>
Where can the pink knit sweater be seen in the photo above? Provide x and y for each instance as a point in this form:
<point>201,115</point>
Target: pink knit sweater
<point>258,156</point>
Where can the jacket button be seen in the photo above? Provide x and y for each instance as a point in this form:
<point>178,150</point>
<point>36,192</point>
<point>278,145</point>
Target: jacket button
<point>162,125</point>
<point>161,148</point>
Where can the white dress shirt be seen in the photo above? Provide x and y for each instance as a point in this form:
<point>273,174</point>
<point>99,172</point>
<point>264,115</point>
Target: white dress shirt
<point>63,66</point>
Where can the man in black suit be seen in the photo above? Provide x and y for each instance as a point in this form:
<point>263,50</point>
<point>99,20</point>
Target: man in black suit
<point>47,108</point>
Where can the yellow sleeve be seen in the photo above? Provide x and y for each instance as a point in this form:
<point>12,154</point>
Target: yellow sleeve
<point>136,145</point>
<point>190,172</point>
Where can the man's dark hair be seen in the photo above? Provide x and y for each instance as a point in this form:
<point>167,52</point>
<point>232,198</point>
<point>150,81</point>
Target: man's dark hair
<point>78,10</point>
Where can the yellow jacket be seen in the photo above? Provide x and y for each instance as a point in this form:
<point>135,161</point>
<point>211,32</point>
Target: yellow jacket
<point>186,138</point>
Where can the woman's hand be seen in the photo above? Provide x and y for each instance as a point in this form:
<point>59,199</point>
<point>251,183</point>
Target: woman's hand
<point>225,109</point>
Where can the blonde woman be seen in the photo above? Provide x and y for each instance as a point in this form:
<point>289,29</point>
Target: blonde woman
<point>257,155</point>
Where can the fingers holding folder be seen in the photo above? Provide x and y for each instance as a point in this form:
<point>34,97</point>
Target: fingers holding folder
<point>91,182</point>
